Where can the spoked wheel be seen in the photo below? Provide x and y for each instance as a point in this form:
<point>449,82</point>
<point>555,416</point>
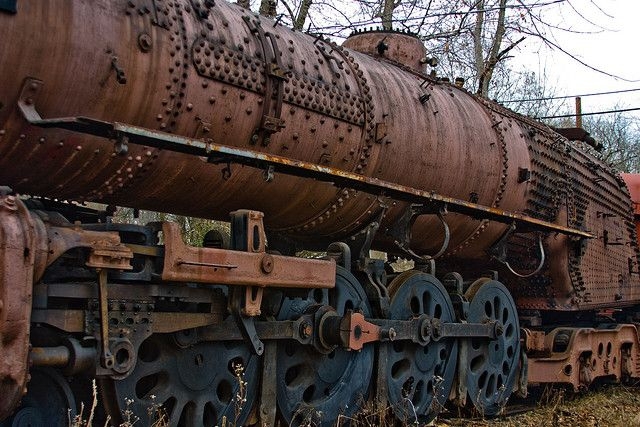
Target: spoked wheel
<point>196,385</point>
<point>492,365</point>
<point>315,388</point>
<point>49,402</point>
<point>419,378</point>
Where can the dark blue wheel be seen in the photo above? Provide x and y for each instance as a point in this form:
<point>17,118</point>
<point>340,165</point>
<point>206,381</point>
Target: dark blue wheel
<point>316,388</point>
<point>197,385</point>
<point>49,402</point>
<point>420,377</point>
<point>492,365</point>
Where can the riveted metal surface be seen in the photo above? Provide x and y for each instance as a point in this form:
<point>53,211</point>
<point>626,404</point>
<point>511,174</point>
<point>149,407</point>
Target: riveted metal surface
<point>207,77</point>
<point>569,185</point>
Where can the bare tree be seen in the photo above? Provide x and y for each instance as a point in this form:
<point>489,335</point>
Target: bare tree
<point>473,39</point>
<point>620,138</point>
<point>297,14</point>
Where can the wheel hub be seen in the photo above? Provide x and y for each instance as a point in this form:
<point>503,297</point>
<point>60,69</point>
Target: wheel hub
<point>195,367</point>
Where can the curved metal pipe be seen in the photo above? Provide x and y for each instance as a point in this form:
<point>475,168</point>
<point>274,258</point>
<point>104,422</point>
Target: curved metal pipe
<point>542,259</point>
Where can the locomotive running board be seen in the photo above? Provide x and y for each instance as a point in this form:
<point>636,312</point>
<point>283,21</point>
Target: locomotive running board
<point>125,134</point>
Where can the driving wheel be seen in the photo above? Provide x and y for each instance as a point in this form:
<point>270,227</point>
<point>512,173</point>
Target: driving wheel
<point>420,377</point>
<point>492,365</point>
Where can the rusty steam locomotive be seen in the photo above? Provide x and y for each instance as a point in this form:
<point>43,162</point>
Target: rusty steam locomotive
<point>526,260</point>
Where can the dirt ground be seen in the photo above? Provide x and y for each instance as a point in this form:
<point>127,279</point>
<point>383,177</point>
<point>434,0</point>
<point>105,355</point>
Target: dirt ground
<point>617,406</point>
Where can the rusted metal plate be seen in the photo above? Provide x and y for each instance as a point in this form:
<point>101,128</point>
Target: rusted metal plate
<point>404,48</point>
<point>18,249</point>
<point>224,267</point>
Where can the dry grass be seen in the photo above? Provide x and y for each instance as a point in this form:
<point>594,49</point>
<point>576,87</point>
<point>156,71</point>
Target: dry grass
<point>615,406</point>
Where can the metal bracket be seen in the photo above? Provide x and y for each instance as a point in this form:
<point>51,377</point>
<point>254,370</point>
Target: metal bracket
<point>401,231</point>
<point>268,400</point>
<point>375,286</point>
<point>274,86</point>
<point>499,253</point>
<point>106,357</point>
<point>341,253</point>
<point>245,323</point>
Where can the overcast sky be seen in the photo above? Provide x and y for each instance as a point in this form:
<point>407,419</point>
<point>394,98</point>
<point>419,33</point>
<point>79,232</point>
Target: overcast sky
<point>615,50</point>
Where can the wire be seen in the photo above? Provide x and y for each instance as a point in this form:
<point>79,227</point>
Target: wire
<point>549,98</point>
<point>589,114</point>
<point>374,21</point>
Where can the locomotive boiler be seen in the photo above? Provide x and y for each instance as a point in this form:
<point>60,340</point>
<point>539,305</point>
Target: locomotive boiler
<point>524,246</point>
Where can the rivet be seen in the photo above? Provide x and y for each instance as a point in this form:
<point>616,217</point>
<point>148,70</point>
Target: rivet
<point>78,147</point>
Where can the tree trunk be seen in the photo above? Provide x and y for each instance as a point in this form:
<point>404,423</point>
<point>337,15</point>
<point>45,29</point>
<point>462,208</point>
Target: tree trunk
<point>478,51</point>
<point>486,67</point>
<point>268,8</point>
<point>301,18</point>
<point>388,7</point>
